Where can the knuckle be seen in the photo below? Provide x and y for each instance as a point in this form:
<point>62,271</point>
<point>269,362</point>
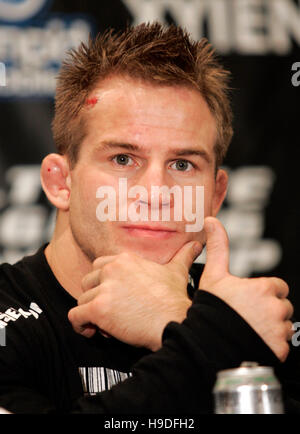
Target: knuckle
<point>282,332</point>
<point>264,285</point>
<point>72,315</point>
<point>100,305</point>
<point>124,258</point>
<point>96,306</point>
<point>282,309</point>
<point>281,285</point>
<point>289,327</point>
<point>127,255</point>
<point>281,282</point>
<point>108,269</point>
<point>283,351</point>
<point>290,309</point>
<point>272,286</point>
<point>97,263</point>
<point>287,288</point>
<point>290,330</point>
<point>84,282</point>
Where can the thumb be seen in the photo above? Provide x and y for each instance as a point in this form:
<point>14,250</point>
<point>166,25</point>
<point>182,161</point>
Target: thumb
<point>217,249</point>
<point>186,255</point>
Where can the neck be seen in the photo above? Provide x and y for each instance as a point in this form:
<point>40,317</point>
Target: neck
<point>67,262</point>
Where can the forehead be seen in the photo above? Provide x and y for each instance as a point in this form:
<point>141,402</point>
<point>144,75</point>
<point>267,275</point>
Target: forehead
<point>148,114</point>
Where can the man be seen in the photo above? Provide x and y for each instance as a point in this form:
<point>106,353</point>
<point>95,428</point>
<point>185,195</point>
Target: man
<point>108,301</point>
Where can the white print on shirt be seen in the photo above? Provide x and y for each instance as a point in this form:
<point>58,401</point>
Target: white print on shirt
<point>96,380</point>
<point>191,281</point>
<point>12,314</point>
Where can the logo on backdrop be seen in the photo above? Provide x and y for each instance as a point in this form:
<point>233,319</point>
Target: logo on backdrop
<point>15,11</point>
<point>244,26</point>
<point>33,48</point>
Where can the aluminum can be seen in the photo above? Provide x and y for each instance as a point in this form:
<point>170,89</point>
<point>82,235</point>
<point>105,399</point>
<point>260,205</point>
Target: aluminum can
<point>249,389</point>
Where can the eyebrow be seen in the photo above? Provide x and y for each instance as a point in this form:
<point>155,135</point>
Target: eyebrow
<point>113,145</point>
<point>191,152</point>
<point>108,145</point>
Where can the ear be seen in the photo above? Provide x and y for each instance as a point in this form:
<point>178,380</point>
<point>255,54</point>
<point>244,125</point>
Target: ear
<point>220,191</point>
<point>56,180</point>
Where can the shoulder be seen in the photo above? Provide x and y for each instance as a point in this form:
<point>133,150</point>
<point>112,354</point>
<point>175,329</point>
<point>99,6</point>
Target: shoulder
<point>17,283</point>
<point>22,316</point>
<point>11,278</point>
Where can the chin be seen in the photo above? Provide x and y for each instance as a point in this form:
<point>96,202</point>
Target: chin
<point>161,258</point>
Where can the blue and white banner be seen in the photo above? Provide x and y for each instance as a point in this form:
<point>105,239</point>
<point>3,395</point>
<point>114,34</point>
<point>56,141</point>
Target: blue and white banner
<point>19,11</point>
<point>33,45</point>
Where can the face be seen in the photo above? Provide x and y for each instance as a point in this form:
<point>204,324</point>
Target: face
<point>145,136</point>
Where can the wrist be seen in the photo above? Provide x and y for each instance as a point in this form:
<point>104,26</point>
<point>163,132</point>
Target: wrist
<point>178,315</point>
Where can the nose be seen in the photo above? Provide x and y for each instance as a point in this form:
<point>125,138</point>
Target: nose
<point>156,182</point>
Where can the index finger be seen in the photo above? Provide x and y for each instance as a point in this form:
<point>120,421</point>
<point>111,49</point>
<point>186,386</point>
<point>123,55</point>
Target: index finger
<point>280,286</point>
<point>92,279</point>
<point>102,260</point>
<point>80,318</point>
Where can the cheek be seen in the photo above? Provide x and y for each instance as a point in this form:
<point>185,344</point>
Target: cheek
<point>81,196</point>
<point>83,193</point>
<point>208,198</point>
<point>85,186</point>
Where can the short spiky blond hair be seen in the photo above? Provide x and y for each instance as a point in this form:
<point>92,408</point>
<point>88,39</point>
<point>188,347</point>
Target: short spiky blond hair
<point>162,55</point>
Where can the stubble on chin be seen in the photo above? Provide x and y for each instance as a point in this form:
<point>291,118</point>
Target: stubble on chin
<point>93,247</point>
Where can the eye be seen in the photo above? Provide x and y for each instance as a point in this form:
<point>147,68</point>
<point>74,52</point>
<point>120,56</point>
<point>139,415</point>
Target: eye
<point>123,160</point>
<point>182,165</point>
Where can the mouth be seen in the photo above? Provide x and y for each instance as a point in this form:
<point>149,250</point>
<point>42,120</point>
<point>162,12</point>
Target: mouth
<point>150,231</point>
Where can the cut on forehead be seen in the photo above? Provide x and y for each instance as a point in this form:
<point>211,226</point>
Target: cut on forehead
<point>125,92</point>
<point>91,101</point>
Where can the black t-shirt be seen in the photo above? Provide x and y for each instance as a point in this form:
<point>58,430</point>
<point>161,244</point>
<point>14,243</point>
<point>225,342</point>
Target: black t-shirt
<point>46,367</point>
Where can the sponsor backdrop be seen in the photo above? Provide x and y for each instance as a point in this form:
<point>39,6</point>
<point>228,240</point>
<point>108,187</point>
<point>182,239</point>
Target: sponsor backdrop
<point>258,40</point>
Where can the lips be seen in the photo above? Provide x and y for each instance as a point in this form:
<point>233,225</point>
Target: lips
<point>150,231</point>
<point>151,228</point>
